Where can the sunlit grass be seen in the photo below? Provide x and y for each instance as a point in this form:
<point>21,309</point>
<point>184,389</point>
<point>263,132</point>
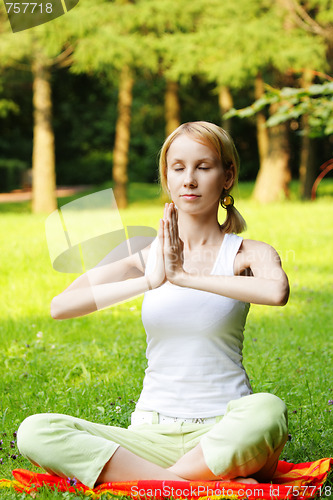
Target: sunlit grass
<point>92,367</point>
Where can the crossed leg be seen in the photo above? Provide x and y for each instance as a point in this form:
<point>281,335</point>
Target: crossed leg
<point>246,443</point>
<point>126,466</point>
<point>244,446</point>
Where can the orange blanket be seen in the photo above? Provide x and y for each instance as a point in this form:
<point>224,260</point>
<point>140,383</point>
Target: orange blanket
<point>291,481</point>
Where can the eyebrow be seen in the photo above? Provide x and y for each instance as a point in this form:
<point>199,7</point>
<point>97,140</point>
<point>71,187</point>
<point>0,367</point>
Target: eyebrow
<point>200,160</point>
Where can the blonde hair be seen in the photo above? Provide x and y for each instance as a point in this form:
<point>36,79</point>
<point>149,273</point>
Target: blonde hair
<point>222,144</point>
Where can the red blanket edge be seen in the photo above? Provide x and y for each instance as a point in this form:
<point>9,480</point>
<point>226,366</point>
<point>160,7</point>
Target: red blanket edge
<point>291,481</point>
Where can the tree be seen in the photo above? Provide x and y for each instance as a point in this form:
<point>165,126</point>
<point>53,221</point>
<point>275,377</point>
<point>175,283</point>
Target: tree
<point>132,32</point>
<point>39,50</point>
<point>43,154</point>
<point>263,49</point>
<point>269,48</point>
<point>128,53</point>
<point>316,18</point>
<point>313,104</point>
<point>122,141</point>
<point>303,43</point>
<point>253,41</point>
<point>172,106</point>
<point>42,50</point>
<point>225,104</point>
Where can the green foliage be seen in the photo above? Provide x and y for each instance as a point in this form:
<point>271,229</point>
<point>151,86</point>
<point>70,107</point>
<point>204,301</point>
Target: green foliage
<point>48,38</point>
<point>7,107</point>
<point>202,44</point>
<point>224,42</point>
<point>84,117</point>
<point>113,27</point>
<point>315,101</point>
<point>16,127</point>
<point>231,42</point>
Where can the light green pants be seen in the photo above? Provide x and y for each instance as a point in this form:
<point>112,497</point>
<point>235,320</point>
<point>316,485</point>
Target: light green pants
<point>247,441</point>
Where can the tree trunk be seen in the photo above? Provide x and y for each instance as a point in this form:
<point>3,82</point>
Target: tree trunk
<point>308,168</point>
<point>43,155</point>
<point>272,183</point>
<point>262,130</point>
<point>122,140</point>
<point>172,107</point>
<point>225,104</point>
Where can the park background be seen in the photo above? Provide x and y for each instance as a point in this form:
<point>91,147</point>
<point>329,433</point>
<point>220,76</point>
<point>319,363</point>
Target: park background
<point>87,100</point>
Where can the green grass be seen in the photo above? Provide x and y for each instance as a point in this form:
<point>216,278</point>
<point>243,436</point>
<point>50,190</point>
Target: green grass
<point>92,367</point>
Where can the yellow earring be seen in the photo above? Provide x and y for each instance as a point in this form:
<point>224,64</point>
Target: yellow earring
<point>227,201</point>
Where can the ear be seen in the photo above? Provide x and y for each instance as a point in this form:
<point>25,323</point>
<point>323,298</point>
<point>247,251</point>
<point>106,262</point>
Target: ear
<point>230,176</point>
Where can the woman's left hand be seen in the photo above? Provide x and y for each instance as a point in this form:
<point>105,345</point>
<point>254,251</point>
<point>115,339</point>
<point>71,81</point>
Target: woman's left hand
<point>173,245</point>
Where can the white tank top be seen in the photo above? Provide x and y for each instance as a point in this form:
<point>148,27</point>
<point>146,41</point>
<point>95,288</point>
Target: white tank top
<point>194,345</point>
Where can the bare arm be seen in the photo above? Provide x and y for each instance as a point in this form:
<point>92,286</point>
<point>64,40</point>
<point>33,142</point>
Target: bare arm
<point>259,277</point>
<point>267,284</point>
<point>107,285</point>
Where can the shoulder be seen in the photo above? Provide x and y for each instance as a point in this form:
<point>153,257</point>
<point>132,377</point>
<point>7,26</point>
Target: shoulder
<point>253,253</point>
<point>257,247</point>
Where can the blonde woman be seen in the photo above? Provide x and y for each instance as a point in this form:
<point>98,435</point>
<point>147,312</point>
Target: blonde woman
<point>196,418</point>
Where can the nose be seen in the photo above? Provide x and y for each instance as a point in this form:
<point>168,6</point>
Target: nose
<point>190,180</point>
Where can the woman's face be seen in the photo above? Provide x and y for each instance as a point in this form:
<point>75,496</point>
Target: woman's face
<point>195,175</point>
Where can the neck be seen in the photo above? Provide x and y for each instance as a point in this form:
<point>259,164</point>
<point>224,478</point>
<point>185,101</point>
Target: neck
<point>198,230</point>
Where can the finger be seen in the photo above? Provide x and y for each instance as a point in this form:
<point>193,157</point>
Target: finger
<point>175,222</point>
<point>165,211</point>
<point>167,215</point>
<point>168,243</point>
<point>166,233</point>
<point>175,234</point>
<point>173,227</point>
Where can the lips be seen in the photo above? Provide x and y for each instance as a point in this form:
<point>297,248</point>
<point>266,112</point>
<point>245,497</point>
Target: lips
<point>190,196</point>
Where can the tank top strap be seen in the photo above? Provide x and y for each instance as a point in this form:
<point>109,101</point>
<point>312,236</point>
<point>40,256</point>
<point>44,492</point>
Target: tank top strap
<point>224,264</point>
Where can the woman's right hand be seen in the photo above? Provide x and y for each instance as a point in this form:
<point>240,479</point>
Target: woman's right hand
<point>158,277</point>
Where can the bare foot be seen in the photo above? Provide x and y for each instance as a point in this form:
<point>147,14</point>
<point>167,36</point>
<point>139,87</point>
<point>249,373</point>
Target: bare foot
<point>246,480</point>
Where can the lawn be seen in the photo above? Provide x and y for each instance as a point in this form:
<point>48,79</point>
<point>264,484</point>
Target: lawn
<point>92,367</point>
